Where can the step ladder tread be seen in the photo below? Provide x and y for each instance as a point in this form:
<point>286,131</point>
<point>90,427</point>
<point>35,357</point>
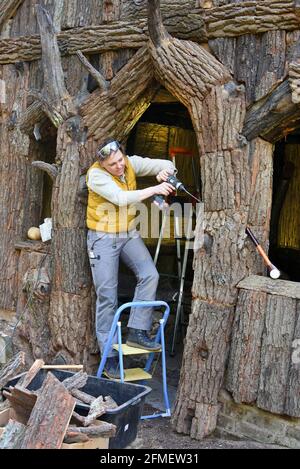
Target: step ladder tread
<point>136,374</point>
<point>127,350</point>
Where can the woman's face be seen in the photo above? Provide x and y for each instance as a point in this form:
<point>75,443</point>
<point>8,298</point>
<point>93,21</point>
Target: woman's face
<point>115,163</point>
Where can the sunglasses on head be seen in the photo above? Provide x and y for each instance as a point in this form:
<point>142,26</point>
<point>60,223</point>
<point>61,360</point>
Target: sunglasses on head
<point>107,150</point>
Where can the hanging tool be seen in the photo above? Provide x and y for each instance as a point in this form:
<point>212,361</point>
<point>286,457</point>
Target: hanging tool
<point>274,272</point>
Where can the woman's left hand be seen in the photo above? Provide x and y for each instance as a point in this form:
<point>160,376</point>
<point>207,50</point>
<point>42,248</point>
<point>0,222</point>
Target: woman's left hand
<point>163,175</point>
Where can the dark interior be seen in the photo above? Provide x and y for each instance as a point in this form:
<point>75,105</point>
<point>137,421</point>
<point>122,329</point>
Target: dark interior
<point>285,219</point>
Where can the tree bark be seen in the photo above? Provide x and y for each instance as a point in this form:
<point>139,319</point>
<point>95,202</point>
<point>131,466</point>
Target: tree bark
<point>230,20</point>
<point>14,148</point>
<point>50,417</point>
<point>273,116</point>
<point>217,108</point>
<point>12,368</point>
<point>8,8</point>
<point>261,370</point>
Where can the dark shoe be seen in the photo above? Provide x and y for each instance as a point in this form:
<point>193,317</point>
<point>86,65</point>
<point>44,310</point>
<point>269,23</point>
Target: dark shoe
<point>139,338</point>
<point>112,368</point>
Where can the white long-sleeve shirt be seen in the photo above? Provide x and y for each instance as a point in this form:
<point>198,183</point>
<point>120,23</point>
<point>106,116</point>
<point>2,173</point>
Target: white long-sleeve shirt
<point>103,184</point>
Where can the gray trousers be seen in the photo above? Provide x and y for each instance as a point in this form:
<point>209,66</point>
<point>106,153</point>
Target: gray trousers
<point>105,251</point>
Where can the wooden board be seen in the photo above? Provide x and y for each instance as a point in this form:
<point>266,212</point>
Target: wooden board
<point>50,417</point>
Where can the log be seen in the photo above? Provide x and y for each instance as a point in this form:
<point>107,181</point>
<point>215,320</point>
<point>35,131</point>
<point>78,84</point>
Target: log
<point>13,435</point>
<point>98,407</point>
<point>82,396</point>
<point>238,18</point>
<point>76,381</point>
<point>89,40</point>
<point>261,369</point>
<point>75,437</point>
<point>103,429</point>
<point>54,408</point>
<point>283,288</point>
<point>186,22</point>
<point>272,115</point>
<point>12,368</point>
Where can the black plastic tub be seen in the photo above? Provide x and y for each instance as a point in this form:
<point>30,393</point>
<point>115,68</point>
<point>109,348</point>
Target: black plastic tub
<point>129,397</point>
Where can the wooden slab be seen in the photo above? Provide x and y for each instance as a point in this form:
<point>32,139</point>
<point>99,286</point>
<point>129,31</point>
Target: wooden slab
<point>50,417</point>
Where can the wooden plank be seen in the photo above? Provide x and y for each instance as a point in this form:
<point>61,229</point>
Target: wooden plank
<point>62,367</point>
<point>31,374</point>
<point>22,402</point>
<point>50,417</point>
<point>13,435</point>
<point>272,287</point>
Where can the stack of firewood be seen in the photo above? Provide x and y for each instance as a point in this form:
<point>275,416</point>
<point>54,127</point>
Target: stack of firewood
<point>45,419</point>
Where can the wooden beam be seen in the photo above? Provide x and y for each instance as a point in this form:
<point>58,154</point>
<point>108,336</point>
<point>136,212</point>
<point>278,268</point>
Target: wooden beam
<point>50,169</point>
<point>8,9</point>
<point>236,19</point>
<point>33,115</point>
<point>273,116</point>
<point>185,22</point>
<point>57,102</point>
<point>103,84</point>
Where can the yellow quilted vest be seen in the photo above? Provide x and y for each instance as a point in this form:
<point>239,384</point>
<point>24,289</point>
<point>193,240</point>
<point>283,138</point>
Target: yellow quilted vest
<point>102,215</point>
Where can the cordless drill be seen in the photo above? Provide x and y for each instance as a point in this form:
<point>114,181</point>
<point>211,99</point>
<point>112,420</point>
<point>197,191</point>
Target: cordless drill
<point>159,200</point>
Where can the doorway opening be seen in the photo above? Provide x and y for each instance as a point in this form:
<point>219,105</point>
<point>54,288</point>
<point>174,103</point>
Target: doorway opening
<point>165,126</point>
<point>285,219</point>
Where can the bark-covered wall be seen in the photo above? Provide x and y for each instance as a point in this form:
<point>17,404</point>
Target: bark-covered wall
<point>241,71</point>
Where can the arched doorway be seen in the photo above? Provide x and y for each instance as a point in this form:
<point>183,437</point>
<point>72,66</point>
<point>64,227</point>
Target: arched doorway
<point>166,125</point>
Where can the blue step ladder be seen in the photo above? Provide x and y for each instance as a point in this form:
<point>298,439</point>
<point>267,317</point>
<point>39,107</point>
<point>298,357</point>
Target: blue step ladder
<point>139,374</point>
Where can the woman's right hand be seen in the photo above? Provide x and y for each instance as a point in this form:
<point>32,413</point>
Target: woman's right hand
<point>163,189</point>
